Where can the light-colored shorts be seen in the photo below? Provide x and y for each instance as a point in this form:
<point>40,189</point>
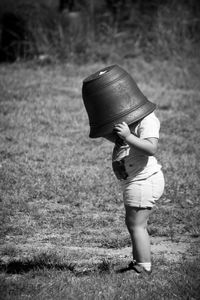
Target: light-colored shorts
<point>145,192</point>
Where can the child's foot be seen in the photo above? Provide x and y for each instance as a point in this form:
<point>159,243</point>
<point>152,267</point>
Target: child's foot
<point>138,268</point>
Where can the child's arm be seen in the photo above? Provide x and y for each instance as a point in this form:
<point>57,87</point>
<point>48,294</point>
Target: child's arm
<point>147,145</point>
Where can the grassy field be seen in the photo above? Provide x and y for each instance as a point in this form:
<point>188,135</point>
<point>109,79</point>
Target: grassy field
<point>62,217</point>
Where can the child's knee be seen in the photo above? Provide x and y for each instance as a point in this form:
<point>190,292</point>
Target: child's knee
<point>137,218</point>
<point>135,228</point>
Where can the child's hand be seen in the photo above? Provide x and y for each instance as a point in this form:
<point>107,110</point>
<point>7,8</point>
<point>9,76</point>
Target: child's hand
<point>122,130</point>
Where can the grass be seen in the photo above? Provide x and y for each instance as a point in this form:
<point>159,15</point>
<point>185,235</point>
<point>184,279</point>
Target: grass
<point>64,283</point>
<point>60,199</point>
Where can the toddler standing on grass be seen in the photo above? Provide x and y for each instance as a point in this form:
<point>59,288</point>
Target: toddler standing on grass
<point>111,97</point>
<point>141,180</point>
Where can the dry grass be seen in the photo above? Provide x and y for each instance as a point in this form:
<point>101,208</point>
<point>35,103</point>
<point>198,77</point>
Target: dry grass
<point>58,190</point>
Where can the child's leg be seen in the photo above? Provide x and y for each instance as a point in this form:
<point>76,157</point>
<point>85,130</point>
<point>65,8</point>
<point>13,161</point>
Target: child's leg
<point>136,221</point>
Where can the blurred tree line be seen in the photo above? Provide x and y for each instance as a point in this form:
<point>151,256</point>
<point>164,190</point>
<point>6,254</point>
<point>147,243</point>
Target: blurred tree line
<point>98,30</point>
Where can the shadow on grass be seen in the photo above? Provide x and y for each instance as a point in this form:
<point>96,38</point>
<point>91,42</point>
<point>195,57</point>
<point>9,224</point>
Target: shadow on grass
<point>37,262</point>
<point>45,262</point>
<point>123,270</point>
<point>19,267</point>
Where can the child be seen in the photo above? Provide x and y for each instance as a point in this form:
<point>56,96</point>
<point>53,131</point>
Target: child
<point>111,97</point>
<point>141,180</point>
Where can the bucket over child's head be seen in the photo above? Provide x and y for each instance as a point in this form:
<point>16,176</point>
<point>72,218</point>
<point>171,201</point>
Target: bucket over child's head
<point>111,96</point>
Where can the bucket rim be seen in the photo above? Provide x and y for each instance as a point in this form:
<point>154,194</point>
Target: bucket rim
<point>97,131</point>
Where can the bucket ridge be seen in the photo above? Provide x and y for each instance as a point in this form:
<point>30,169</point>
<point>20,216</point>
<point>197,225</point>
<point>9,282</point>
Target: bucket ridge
<point>116,116</point>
